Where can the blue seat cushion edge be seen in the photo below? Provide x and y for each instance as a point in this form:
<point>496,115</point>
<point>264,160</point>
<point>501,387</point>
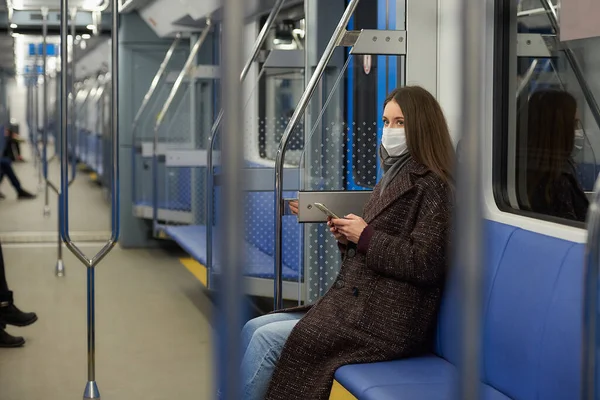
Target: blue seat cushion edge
<point>192,238</point>
<point>428,377</point>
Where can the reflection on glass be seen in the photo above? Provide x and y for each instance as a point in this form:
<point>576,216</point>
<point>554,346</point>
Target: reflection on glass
<point>551,152</point>
<point>547,146</point>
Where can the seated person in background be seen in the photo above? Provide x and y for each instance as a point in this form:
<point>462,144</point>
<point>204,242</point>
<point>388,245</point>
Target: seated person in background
<point>8,155</point>
<point>9,313</point>
<point>551,183</point>
<point>385,301</point>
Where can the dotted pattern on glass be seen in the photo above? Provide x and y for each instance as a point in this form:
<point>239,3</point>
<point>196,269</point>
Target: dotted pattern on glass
<point>326,155</point>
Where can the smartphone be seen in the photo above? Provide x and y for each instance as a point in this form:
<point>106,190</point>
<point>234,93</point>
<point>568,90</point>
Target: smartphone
<point>326,210</point>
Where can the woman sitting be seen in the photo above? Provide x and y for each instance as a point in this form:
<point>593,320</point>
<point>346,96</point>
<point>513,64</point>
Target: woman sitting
<point>384,303</point>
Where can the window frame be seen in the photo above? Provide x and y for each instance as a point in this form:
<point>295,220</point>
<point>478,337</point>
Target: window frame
<point>503,102</point>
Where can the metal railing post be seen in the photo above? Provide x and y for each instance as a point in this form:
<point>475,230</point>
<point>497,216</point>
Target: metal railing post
<point>74,107</point>
<point>260,40</point>
<point>279,159</point>
<point>469,209</point>
<point>147,97</point>
<point>191,61</point>
<point>45,111</point>
<point>91,388</point>
<point>231,293</point>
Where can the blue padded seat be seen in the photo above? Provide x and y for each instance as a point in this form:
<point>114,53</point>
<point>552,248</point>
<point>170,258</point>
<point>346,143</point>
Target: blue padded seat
<point>532,318</point>
<point>259,222</point>
<point>177,197</point>
<point>260,226</point>
<point>192,238</point>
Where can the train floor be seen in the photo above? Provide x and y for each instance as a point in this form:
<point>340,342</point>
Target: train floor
<point>153,333</point>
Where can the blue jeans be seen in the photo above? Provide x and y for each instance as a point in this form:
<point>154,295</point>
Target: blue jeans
<point>262,342</point>
<point>7,169</point>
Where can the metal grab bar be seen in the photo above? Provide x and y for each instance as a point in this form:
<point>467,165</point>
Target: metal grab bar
<point>527,78</point>
<point>74,112</point>
<point>155,81</point>
<point>469,201</point>
<point>590,299</point>
<point>572,60</point>
<point>338,34</point>
<point>186,68</point>
<point>209,204</point>
<point>147,97</point>
<point>91,389</point>
<point>159,120</point>
<point>531,12</point>
<point>49,184</point>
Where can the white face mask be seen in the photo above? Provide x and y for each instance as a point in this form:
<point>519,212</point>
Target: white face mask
<point>394,141</point>
<point>579,139</point>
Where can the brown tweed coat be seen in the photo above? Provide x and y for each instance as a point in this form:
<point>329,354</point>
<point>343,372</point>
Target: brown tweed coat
<point>384,304</point>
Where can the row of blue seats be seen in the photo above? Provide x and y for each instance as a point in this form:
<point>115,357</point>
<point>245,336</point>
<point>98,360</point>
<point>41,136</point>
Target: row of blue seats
<point>258,246</point>
<point>175,187</point>
<point>89,150</point>
<point>531,324</point>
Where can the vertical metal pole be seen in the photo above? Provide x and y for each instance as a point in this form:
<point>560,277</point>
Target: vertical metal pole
<point>590,304</point>
<point>231,290</point>
<point>306,173</point>
<point>45,111</point>
<point>469,196</point>
<point>74,107</point>
<point>60,270</point>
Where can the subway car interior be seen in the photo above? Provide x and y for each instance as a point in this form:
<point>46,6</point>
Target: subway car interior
<point>152,149</point>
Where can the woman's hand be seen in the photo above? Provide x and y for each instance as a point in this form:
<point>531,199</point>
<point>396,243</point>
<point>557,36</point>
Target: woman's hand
<point>294,206</point>
<point>333,229</point>
<point>351,226</point>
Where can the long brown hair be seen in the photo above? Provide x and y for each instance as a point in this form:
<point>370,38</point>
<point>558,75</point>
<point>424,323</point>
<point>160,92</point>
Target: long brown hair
<point>427,134</point>
<point>550,137</point>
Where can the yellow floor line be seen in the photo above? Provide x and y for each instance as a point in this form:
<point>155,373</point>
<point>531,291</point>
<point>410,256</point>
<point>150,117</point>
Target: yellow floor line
<point>197,269</point>
<point>338,392</point>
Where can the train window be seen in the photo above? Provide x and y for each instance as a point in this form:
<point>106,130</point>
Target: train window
<point>547,125</point>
